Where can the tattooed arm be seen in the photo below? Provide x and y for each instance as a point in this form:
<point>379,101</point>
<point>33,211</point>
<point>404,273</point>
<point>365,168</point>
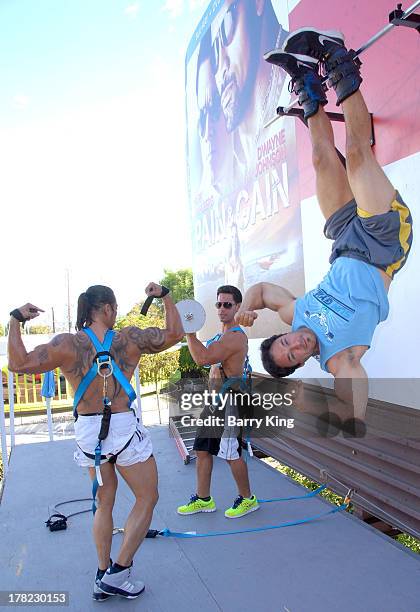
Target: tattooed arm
<point>43,358</point>
<point>154,339</point>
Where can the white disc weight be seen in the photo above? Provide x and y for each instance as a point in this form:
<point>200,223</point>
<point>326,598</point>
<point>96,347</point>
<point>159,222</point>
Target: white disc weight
<point>193,315</point>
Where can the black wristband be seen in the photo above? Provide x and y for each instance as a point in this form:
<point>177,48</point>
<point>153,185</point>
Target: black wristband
<point>16,314</point>
<point>150,299</point>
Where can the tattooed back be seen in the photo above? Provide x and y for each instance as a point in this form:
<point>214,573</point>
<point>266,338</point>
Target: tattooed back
<point>78,353</point>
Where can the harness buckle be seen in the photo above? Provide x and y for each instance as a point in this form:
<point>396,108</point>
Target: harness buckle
<point>104,361</point>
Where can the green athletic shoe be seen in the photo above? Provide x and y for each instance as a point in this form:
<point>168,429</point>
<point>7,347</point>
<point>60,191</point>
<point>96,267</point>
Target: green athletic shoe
<point>197,505</point>
<point>242,506</point>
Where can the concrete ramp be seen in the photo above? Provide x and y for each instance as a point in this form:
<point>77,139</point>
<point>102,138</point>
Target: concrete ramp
<point>335,563</point>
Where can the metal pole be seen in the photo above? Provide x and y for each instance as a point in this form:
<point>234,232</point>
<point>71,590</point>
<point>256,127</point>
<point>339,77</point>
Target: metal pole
<point>11,388</point>
<point>68,301</point>
<point>138,388</point>
<point>4,454</point>
<point>49,416</point>
<point>361,50</point>
<point>386,29</point>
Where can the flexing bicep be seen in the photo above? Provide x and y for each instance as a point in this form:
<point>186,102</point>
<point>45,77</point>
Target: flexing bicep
<point>219,351</point>
<point>149,340</point>
<point>43,358</point>
<point>287,312</point>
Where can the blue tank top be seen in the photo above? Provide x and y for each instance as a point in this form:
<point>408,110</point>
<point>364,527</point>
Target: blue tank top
<point>344,309</point>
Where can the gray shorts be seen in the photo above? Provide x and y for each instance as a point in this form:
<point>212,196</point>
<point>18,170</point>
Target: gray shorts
<point>381,240</point>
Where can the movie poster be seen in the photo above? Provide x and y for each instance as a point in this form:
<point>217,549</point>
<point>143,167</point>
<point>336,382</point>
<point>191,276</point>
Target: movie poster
<point>242,173</point>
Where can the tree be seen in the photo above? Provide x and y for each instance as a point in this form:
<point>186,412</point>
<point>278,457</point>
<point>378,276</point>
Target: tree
<point>180,282</point>
<point>2,330</point>
<point>40,329</point>
<point>158,366</point>
<point>188,367</point>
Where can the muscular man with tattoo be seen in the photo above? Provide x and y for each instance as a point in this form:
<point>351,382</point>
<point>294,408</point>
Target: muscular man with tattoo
<point>127,446</point>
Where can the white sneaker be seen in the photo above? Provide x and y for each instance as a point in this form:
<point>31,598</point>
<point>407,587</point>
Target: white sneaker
<point>119,583</point>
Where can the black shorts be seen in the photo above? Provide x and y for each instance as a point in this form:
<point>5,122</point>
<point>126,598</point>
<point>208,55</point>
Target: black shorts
<point>223,440</point>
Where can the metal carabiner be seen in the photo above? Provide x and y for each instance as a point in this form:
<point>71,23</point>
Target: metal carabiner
<point>105,364</point>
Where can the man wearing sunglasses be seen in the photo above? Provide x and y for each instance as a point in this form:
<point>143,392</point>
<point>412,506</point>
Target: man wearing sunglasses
<point>226,353</point>
<point>241,33</point>
<point>216,165</point>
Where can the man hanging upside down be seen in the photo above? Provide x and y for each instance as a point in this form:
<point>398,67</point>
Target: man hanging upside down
<point>365,217</point>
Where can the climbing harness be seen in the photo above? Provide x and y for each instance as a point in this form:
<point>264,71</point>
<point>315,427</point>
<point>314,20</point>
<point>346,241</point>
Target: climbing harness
<point>105,366</point>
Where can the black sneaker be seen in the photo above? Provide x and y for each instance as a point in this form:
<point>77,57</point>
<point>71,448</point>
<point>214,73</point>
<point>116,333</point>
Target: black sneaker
<point>343,71</point>
<point>319,44</point>
<point>295,65</point>
<point>306,82</point>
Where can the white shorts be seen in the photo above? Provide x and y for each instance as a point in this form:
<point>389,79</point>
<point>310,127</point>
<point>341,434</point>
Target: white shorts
<point>123,426</point>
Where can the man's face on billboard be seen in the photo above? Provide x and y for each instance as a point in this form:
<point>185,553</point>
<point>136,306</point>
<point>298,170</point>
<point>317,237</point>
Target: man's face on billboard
<point>211,125</point>
<point>235,57</point>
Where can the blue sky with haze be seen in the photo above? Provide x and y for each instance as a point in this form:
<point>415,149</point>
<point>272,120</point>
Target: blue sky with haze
<point>92,146</point>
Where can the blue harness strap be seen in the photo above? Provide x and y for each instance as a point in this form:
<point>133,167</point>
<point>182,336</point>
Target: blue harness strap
<point>103,358</point>
<point>167,533</point>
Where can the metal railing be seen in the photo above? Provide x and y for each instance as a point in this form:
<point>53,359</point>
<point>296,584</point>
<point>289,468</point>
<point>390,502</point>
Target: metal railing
<point>382,468</point>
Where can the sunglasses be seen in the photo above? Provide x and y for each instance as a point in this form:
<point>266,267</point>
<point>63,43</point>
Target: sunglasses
<point>225,34</point>
<point>226,305</point>
<point>212,111</point>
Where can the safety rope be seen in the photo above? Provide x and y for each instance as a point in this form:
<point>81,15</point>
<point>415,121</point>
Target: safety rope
<point>167,533</point>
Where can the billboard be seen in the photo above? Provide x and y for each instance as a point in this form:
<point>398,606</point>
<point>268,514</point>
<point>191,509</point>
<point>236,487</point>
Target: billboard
<point>242,174</point>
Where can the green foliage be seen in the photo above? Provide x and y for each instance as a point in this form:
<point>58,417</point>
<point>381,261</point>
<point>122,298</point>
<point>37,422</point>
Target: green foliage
<point>180,282</point>
<point>159,366</point>
<point>40,329</point>
<point>333,498</point>
<point>409,541</point>
<point>154,318</point>
<point>188,367</point>
<point>2,330</point>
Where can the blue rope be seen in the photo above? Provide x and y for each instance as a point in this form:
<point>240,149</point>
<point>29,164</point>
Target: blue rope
<point>167,533</point>
<point>307,496</point>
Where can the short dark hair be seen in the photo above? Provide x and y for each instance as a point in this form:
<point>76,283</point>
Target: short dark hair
<point>268,362</point>
<point>92,299</point>
<point>234,291</point>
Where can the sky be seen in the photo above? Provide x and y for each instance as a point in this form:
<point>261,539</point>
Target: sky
<point>92,148</point>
